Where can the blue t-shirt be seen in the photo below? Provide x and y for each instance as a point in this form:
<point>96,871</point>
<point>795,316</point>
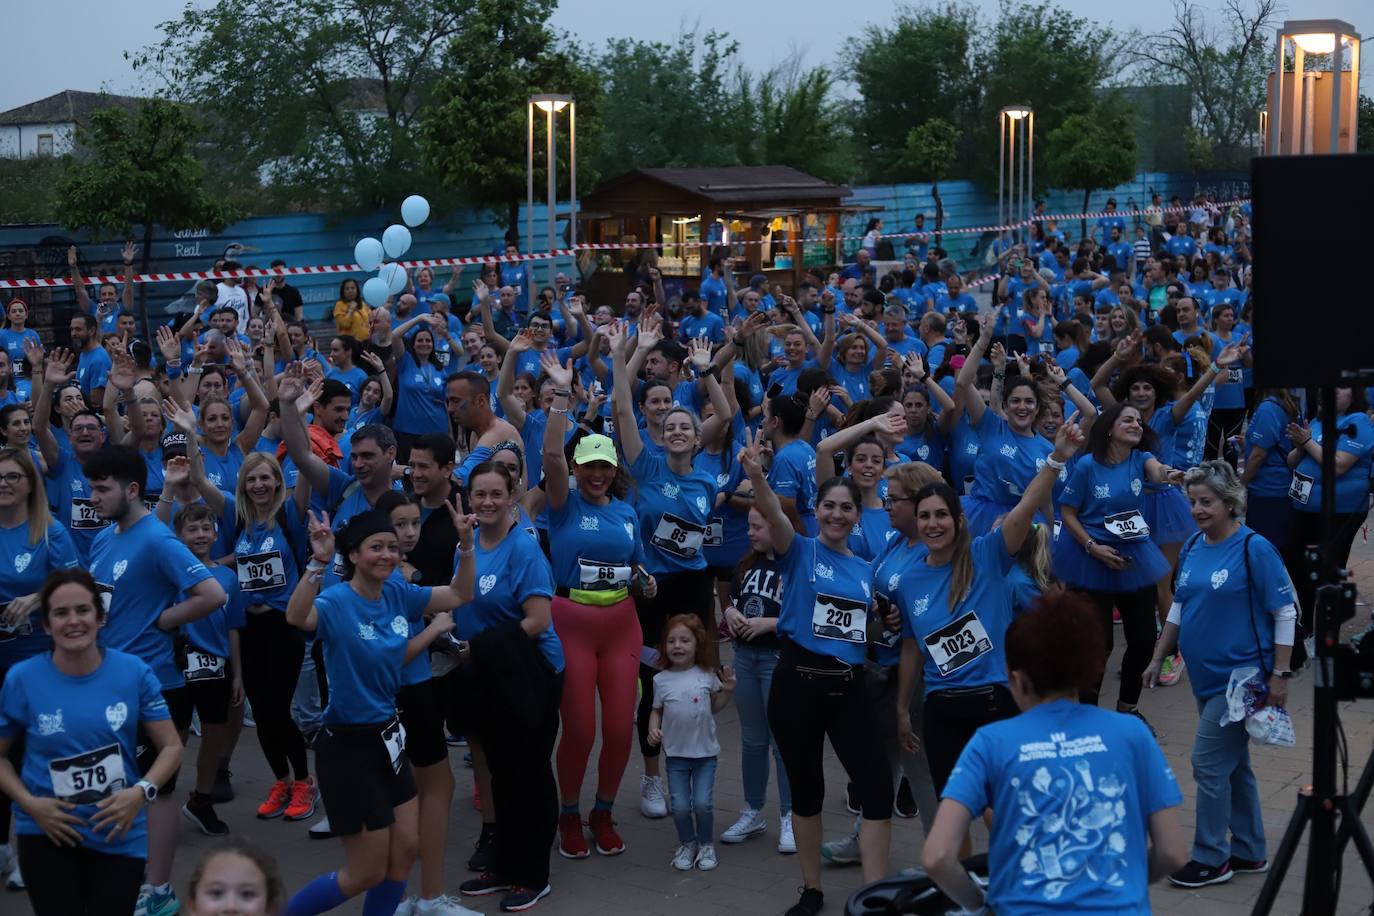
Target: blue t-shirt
<point>92,369</point>
<point>508,575</point>
<point>1352,487</point>
<point>1073,788</point>
<point>269,562</point>
<point>223,472</point>
<point>964,447</point>
<point>871,533</point>
<point>713,290</point>
<point>211,634</point>
<point>674,510</point>
<point>927,447</point>
<point>1007,462</point>
<point>15,343</point>
<point>63,717</point>
<point>710,326</point>
<point>794,475</point>
<point>897,556</point>
<point>141,571</point>
<point>353,378</point>
<point>420,404</point>
<point>365,647</point>
<point>594,547</point>
<point>69,497</point>
<point>1269,430</point>
<point>1226,621</point>
<point>1107,497</point>
<point>854,381</point>
<point>24,566</point>
<point>826,598</point>
<point>963,646</point>
<point>727,533</point>
<point>358,417</point>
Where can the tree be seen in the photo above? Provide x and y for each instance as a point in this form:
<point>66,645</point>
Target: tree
<point>134,171</point>
<point>320,97</point>
<point>473,129</point>
<point>930,153</point>
<point>1364,139</point>
<point>919,67</point>
<point>1224,67</point>
<point>1091,151</point>
<point>791,118</point>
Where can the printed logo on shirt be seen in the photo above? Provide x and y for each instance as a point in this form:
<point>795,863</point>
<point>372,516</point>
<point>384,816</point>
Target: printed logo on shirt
<point>923,452</point>
<point>21,562</point>
<point>1219,578</point>
<point>722,479</point>
<point>76,486</point>
<point>1135,486</point>
<point>893,581</point>
<point>589,523</point>
<point>1102,491</point>
<point>399,626</point>
<point>971,448</point>
<point>920,606</point>
<point>486,583</point>
<point>119,569</point>
<point>824,572</point>
<point>1183,578</point>
<point>701,503</point>
<point>215,478</point>
<point>267,543</point>
<point>50,724</point>
<point>671,490</point>
<point>1008,451</point>
<point>630,530</point>
<point>116,715</point>
<point>366,633</point>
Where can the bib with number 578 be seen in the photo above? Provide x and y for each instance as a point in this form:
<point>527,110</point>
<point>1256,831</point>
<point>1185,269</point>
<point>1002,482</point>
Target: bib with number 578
<point>85,779</point>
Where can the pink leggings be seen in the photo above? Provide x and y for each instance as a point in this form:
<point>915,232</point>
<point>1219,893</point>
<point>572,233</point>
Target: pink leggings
<point>601,656</point>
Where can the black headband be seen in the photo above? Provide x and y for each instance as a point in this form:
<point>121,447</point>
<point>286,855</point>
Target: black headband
<point>361,527</point>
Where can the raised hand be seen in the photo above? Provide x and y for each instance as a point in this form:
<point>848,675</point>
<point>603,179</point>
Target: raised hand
<point>1055,373</point>
<point>818,403</point>
<point>71,256</point>
<point>522,341</point>
<point>311,396</point>
<point>751,454</point>
<point>1023,364</point>
<point>292,383</point>
<point>1069,439</point>
<point>753,323</point>
<point>33,355</point>
<point>373,360</point>
<point>577,306</point>
<point>699,354</point>
<point>890,424</point>
<point>168,344</point>
<point>463,524</point>
<point>123,373</point>
<point>58,369</point>
<point>1232,353</point>
<point>236,357</point>
<point>998,356</point>
<point>181,417</point>
<point>321,537</point>
<point>560,374</point>
<point>915,365</point>
<point>178,470</point>
<point>616,335</point>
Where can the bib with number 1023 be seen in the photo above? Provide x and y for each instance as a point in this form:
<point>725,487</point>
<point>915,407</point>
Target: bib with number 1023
<point>845,619</point>
<point>957,644</point>
<point>1300,491</point>
<point>678,536</point>
<point>394,739</point>
<point>85,779</point>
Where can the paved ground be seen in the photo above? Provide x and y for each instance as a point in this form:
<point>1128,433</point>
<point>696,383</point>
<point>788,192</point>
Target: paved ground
<point>755,879</point>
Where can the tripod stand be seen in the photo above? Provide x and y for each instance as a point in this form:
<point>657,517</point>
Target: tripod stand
<point>1320,803</point>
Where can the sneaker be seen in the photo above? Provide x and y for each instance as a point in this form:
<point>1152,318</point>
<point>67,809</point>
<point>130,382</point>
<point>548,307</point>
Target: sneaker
<point>482,885</point>
<point>842,852</point>
<point>480,860</point>
<point>851,798</point>
<point>7,858</point>
<point>706,857</point>
<point>15,880</point>
<point>223,792</point>
<point>787,844</point>
<point>906,802</point>
<point>248,715</point>
<point>195,722</point>
<point>443,905</point>
<point>406,907</point>
<point>277,800</point>
<point>750,823</point>
<point>1195,874</point>
<point>1170,670</point>
<point>141,905</point>
<point>320,830</point>
<point>200,810</point>
<point>602,825</point>
<point>653,800</point>
<point>1248,866</point>
<point>572,840</point>
<point>810,903</point>
<point>523,898</point>
<point>686,857</point>
<point>303,800</point>
<point>161,903</point>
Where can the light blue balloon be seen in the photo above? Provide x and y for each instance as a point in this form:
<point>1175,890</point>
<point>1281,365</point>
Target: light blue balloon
<point>375,292</point>
<point>396,240</point>
<point>394,276</point>
<point>414,210</point>
<point>368,253</point>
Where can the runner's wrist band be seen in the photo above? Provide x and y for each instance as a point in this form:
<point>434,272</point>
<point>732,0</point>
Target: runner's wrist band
<point>1053,462</point>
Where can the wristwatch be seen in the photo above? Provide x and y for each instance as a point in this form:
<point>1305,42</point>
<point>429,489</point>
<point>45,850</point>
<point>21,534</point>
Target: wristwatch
<point>148,788</point>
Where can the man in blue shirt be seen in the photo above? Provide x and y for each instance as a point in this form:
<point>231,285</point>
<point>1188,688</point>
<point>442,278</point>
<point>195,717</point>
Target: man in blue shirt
<point>1120,250</point>
<point>1111,221</point>
<point>862,268</point>
<point>516,275</point>
<point>698,322</point>
<point>93,363</point>
<point>1223,292</point>
<point>715,285</point>
<point>955,298</point>
<point>918,242</point>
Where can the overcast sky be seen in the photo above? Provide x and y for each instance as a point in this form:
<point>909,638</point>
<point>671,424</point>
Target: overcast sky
<point>80,44</point>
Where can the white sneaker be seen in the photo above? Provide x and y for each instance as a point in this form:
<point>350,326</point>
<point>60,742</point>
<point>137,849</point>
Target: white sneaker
<point>7,858</point>
<point>787,844</point>
<point>842,852</point>
<point>141,905</point>
<point>320,830</point>
<point>406,907</point>
<point>15,881</point>
<point>443,905</point>
<point>750,823</point>
<point>706,857</point>
<point>685,857</point>
<point>653,800</point>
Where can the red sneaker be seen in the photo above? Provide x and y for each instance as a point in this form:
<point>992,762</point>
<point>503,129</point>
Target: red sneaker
<point>303,798</point>
<point>608,842</point>
<point>277,800</point>
<point>572,842</point>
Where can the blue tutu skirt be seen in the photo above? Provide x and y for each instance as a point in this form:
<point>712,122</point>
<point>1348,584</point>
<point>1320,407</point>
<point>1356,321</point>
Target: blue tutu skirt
<point>1168,514</point>
<point>1076,569</point>
<point>982,515</point>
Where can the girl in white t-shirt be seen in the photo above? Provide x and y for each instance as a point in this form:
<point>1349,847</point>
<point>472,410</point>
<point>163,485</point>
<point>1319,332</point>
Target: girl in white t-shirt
<point>687,695</point>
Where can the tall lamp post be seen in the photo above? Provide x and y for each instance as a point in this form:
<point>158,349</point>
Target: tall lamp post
<point>1314,111</point>
<point>551,104</point>
<point>1014,170</point>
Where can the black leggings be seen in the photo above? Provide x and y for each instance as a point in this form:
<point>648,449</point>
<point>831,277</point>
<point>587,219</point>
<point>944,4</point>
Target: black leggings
<point>272,654</point>
<point>1138,620</point>
<point>1222,424</point>
<point>691,592</point>
<point>1308,531</point>
<point>951,718</point>
<point>804,707</point>
<point>78,880</point>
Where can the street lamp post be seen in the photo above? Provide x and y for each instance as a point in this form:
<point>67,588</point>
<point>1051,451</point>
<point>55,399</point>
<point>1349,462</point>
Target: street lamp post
<point>1014,171</point>
<point>551,104</point>
<point>1300,100</point>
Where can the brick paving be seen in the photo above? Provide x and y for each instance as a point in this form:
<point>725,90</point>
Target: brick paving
<point>754,879</point>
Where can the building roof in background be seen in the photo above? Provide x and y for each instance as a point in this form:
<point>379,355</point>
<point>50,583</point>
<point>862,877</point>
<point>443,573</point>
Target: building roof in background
<point>741,183</point>
<point>68,106</point>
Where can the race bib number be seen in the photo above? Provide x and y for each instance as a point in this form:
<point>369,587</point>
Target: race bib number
<point>202,666</point>
<point>394,739</point>
<point>1127,526</point>
<point>595,577</point>
<point>953,646</point>
<point>261,571</point>
<point>1058,526</point>
<point>106,595</point>
<point>338,567</point>
<point>442,356</point>
<point>678,536</point>
<point>833,617</point>
<point>715,533</point>
<point>1235,376</point>
<point>84,515</point>
<point>1300,490</point>
<point>87,778</point>
<point>608,425</point>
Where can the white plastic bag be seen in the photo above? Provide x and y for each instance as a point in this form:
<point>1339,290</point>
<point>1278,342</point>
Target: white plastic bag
<point>1265,724</point>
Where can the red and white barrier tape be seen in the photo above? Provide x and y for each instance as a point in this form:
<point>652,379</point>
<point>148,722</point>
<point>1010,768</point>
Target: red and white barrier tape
<point>188,275</point>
